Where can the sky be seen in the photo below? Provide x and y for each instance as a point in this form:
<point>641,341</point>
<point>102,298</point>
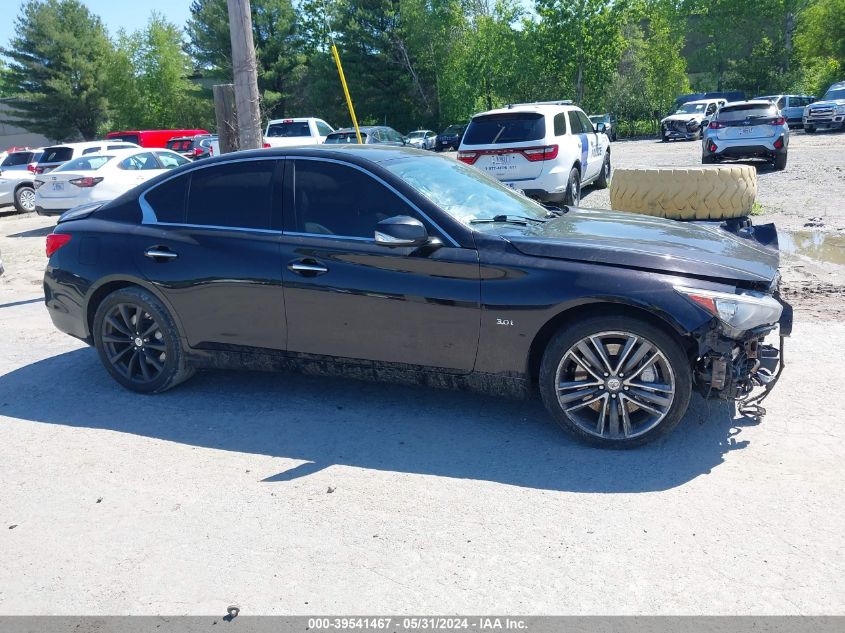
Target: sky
<point>116,14</point>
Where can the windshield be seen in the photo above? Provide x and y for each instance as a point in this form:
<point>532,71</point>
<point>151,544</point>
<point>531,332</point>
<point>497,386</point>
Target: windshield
<point>599,118</point>
<point>18,158</point>
<point>453,129</point>
<point>289,129</point>
<point>86,163</point>
<point>56,155</point>
<point>834,93</point>
<point>691,108</point>
<point>416,135</point>
<point>514,127</point>
<point>747,111</point>
<point>462,191</point>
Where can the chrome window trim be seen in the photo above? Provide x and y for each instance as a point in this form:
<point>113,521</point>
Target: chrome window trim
<point>218,227</point>
<point>331,236</point>
<point>148,215</point>
<point>385,184</point>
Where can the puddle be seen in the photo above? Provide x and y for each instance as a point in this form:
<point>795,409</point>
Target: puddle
<point>819,247</point>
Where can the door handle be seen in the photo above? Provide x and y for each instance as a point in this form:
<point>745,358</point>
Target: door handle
<point>307,268</point>
<point>160,254</point>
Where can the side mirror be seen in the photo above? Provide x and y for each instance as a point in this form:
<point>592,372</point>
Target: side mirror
<point>601,127</point>
<point>401,230</point>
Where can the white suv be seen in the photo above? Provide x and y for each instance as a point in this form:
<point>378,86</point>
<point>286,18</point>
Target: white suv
<point>302,131</point>
<point>549,150</point>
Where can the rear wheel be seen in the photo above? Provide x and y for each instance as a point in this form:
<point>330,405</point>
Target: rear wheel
<point>604,177</point>
<point>615,381</point>
<point>25,199</point>
<point>708,159</point>
<point>780,161</point>
<point>138,342</point>
<point>572,197</point>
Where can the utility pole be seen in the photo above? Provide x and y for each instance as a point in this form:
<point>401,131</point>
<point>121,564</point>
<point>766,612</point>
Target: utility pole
<point>227,122</point>
<point>246,75</point>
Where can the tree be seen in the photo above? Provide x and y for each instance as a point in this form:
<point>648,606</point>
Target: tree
<point>5,88</point>
<point>58,57</point>
<point>278,47</point>
<point>149,81</point>
<point>820,43</point>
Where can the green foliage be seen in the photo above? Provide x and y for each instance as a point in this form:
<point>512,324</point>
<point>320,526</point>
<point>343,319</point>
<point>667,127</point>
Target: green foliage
<point>57,70</point>
<point>149,85</point>
<point>820,42</point>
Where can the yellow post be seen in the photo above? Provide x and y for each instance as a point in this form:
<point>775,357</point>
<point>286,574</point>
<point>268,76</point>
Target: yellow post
<point>346,92</point>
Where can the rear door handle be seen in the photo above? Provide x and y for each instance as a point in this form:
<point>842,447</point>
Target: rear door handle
<point>160,254</point>
<point>307,267</point>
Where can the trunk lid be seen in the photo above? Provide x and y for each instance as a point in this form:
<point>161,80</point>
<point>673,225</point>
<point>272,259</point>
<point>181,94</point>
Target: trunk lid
<point>646,242</point>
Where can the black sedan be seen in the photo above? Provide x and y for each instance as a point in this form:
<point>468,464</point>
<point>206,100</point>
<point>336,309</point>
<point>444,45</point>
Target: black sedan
<point>450,138</point>
<point>397,264</point>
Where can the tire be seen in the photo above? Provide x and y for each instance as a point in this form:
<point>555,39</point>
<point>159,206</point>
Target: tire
<point>708,159</point>
<point>25,199</point>
<point>810,129</point>
<point>694,193</point>
<point>572,197</point>
<point>780,162</point>
<point>603,180</point>
<point>158,362</point>
<point>637,425</point>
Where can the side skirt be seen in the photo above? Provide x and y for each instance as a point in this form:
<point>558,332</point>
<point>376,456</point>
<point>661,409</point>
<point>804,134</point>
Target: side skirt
<point>517,387</point>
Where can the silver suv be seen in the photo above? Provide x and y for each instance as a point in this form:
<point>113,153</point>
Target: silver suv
<point>829,112</point>
<point>747,129</point>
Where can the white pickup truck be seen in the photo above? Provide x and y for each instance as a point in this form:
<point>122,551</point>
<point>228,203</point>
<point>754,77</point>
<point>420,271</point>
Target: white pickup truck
<point>301,131</point>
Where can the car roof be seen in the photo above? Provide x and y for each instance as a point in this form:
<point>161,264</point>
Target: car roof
<point>760,102</point>
<point>86,144</point>
<point>704,101</point>
<point>542,108</point>
<point>353,152</point>
<point>294,119</point>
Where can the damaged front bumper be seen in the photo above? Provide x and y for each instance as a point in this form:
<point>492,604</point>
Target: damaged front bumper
<point>731,368</point>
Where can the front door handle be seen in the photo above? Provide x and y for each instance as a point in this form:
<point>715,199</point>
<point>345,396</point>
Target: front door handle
<point>307,267</point>
<point>160,254</point>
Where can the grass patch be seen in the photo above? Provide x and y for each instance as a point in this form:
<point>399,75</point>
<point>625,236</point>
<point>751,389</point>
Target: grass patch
<point>757,208</point>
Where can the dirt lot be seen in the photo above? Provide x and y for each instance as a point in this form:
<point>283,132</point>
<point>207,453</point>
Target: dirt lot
<point>299,495</point>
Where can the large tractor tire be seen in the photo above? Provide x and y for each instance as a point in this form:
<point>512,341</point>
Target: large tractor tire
<point>693,193</point>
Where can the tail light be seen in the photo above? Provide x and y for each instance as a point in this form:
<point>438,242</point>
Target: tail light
<point>534,154</point>
<point>55,241</point>
<point>266,146</point>
<point>38,170</point>
<point>37,183</point>
<point>715,125</point>
<point>31,168</point>
<point>712,147</point>
<point>87,181</point>
<point>468,157</point>
<point>778,121</point>
<point>779,143</point>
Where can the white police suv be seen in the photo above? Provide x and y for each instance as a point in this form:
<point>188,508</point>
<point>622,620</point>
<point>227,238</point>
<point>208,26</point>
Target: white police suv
<point>549,150</point>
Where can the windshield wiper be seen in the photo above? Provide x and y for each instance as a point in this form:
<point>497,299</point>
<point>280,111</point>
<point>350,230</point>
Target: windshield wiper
<point>555,212</point>
<point>507,219</point>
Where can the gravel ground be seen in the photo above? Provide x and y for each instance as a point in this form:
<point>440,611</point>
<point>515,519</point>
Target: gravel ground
<point>299,495</point>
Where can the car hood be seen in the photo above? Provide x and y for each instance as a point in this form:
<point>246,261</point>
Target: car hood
<point>684,117</point>
<point>646,242</point>
<point>826,104</point>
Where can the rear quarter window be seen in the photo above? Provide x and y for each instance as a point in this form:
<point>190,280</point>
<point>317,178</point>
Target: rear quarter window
<point>516,127</point>
<point>167,200</point>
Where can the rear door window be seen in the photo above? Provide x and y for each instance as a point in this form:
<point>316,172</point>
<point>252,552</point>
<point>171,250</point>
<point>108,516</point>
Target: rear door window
<point>512,127</point>
<point>86,163</point>
<point>56,155</point>
<point>237,195</point>
<point>139,162</point>
<point>586,126</point>
<point>170,161</point>
<point>168,200</point>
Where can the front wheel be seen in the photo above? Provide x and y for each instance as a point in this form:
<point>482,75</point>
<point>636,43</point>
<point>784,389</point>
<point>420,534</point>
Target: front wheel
<point>138,342</point>
<point>615,381</point>
<point>572,197</point>
<point>809,129</point>
<point>604,177</point>
<point>25,199</point>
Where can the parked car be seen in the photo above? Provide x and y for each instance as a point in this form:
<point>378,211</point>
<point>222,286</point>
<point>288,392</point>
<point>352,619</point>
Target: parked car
<point>450,138</point>
<point>370,135</point>
<point>791,106</point>
<point>396,264</point>
<point>421,139</point>
<point>750,129</point>
<point>829,112</point>
<point>193,147</point>
<point>100,177</point>
<point>688,121</point>
<point>17,171</point>
<point>151,138</point>
<point>57,155</point>
<point>299,131</point>
<point>548,150</point>
<point>607,123</point>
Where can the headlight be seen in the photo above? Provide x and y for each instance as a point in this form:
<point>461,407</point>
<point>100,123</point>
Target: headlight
<point>840,109</point>
<point>738,312</point>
